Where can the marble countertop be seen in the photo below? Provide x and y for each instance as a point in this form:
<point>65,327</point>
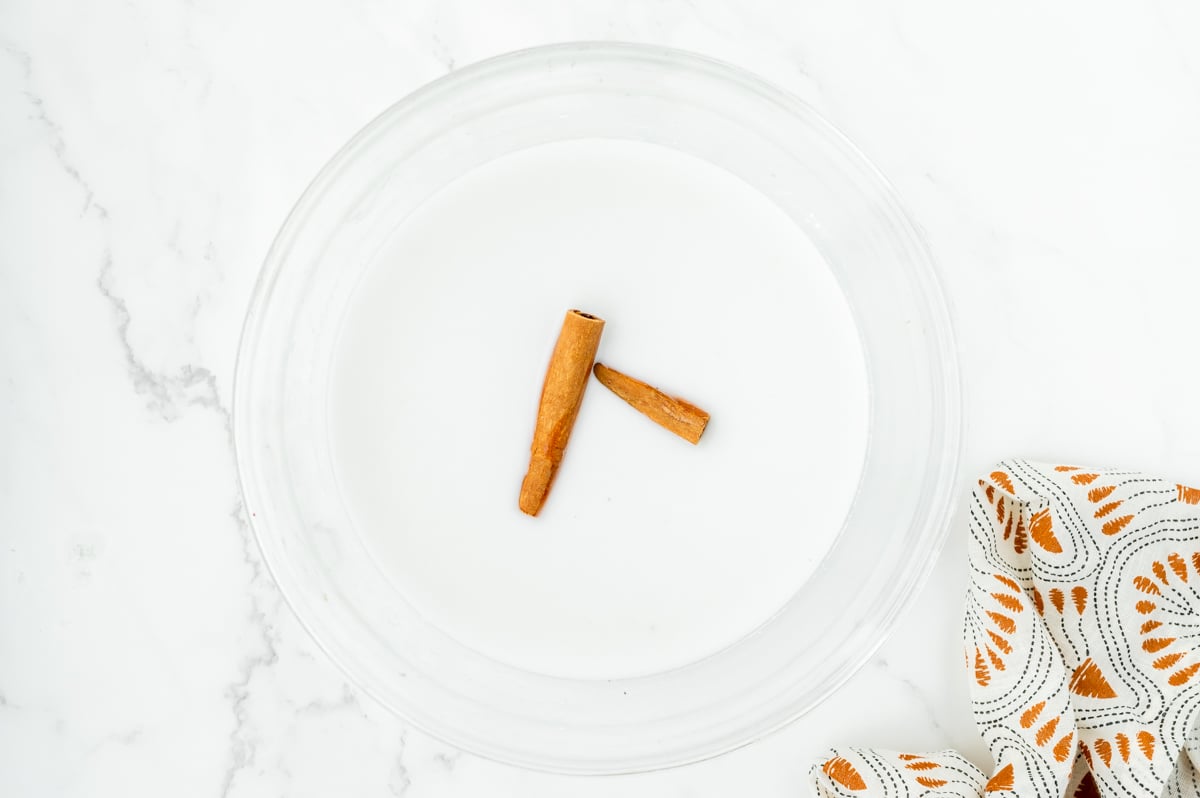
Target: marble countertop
<point>1050,153</point>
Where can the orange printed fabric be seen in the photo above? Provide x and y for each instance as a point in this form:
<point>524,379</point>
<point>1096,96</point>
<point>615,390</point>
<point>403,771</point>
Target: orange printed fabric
<point>1082,644</point>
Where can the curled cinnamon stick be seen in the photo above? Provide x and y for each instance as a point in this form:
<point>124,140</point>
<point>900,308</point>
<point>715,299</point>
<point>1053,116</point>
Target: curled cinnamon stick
<point>679,416</point>
<point>562,393</point>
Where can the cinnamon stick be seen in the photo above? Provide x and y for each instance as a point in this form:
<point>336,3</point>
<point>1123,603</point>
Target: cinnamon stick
<point>562,393</point>
<point>679,416</point>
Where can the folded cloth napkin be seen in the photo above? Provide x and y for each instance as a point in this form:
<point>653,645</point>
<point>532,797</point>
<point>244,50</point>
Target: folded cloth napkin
<point>1082,644</point>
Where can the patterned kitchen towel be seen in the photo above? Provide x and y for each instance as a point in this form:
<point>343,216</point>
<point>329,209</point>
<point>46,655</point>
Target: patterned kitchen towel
<point>1082,644</point>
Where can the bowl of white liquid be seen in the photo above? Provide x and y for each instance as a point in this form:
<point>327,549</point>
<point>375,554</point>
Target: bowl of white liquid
<point>671,601</point>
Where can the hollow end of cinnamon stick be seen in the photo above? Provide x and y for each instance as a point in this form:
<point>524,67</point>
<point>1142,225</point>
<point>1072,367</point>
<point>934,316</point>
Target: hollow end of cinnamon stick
<point>670,412</point>
<point>562,393</point>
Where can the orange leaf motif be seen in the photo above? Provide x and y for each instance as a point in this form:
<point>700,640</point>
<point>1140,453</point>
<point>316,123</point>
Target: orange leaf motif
<point>1001,479</point>
<point>997,663</point>
<point>930,782</point>
<point>1041,529</point>
<point>1066,468</point>
<point>1104,749</point>
<point>1116,525</point>
<point>922,764</point>
<point>1013,586</point>
<point>1159,571</point>
<point>1006,624</point>
<point>1062,749</point>
<point>1146,744</point>
<point>1037,602</point>
<point>1009,602</point>
<point>1122,745</point>
<point>1145,607</point>
<point>1000,642</point>
<point>1044,733</point>
<point>1056,598</point>
<point>1178,566</point>
<point>1188,495</point>
<point>1079,598</point>
<point>1087,754</point>
<point>1164,662</point>
<point>1182,677</point>
<point>1002,781</point>
<point>1100,494</point>
<point>1153,644</point>
<point>1084,479</point>
<point>1144,584</point>
<point>1020,541</point>
<point>909,757</point>
<point>1106,509</point>
<point>1030,715</point>
<point>1150,626</point>
<point>841,771</point>
<point>1196,561</point>
<point>982,676</point>
<point>1088,681</point>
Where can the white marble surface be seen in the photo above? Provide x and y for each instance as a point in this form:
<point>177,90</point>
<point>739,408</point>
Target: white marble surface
<point>148,152</point>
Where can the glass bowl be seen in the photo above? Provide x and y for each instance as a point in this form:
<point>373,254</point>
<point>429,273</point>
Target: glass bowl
<point>589,723</point>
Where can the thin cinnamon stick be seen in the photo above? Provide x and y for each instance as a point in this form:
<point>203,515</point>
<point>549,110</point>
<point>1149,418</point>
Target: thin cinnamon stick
<point>562,393</point>
<point>679,416</point>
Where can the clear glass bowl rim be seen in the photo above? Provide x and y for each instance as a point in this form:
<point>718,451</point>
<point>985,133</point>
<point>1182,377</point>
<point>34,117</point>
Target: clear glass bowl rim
<point>940,500</point>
